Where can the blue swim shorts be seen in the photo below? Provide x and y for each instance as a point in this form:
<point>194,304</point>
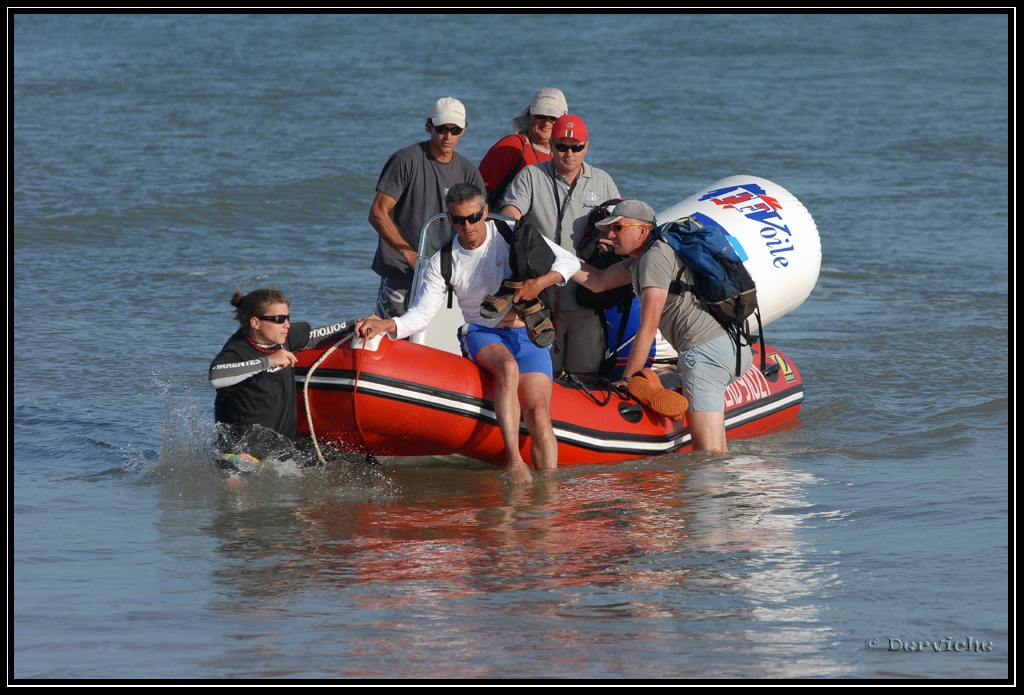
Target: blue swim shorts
<point>528,356</point>
<point>707,369</point>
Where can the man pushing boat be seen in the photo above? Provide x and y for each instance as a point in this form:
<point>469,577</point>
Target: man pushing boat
<point>708,359</point>
<point>501,345</point>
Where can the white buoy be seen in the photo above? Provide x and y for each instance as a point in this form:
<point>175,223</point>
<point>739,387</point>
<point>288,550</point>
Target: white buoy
<point>772,232</point>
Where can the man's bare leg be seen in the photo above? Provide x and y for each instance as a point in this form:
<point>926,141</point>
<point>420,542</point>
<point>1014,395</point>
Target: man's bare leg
<point>499,362</point>
<point>535,399</point>
<point>707,431</point>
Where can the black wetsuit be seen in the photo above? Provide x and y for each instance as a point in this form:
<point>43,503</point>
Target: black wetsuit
<point>250,392</point>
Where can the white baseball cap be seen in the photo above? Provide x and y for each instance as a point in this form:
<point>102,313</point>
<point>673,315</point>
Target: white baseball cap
<point>548,101</point>
<point>448,110</point>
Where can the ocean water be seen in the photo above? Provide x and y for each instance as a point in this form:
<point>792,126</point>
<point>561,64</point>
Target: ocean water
<point>161,162</point>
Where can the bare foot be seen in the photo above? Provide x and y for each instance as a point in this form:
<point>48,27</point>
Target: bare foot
<point>519,473</point>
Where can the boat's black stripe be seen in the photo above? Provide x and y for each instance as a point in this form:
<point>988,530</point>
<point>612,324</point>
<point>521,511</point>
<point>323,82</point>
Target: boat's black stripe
<point>734,418</point>
<point>744,414</point>
<point>580,436</point>
<point>437,398</point>
<point>300,376</point>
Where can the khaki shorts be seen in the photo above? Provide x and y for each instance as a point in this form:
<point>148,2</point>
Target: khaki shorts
<point>707,369</point>
<point>579,342</point>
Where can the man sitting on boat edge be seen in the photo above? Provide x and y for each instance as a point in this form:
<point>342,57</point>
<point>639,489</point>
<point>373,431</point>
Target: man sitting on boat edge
<point>501,345</point>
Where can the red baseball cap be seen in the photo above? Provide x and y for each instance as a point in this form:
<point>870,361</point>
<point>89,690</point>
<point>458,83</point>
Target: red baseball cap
<point>569,126</point>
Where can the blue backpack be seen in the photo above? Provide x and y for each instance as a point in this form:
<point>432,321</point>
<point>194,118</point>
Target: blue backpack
<point>720,280</point>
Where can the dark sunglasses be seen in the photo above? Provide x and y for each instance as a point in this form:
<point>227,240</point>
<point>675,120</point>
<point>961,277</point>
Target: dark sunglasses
<point>277,318</point>
<point>565,148</point>
<point>617,228</point>
<point>444,130</point>
<point>472,219</point>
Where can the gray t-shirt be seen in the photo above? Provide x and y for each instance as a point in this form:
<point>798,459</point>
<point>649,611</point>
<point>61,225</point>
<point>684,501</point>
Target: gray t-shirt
<point>418,182</point>
<point>540,193</point>
<point>684,322</point>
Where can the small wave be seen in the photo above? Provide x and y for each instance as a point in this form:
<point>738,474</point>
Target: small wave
<point>189,456</point>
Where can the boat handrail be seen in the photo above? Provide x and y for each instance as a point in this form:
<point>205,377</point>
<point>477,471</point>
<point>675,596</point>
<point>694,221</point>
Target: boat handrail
<point>435,233</point>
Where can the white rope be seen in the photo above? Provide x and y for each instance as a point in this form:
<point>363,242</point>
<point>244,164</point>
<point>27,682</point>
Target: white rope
<point>305,395</point>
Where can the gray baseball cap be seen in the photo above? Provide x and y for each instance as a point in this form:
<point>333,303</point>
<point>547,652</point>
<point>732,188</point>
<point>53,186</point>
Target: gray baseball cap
<point>631,209</point>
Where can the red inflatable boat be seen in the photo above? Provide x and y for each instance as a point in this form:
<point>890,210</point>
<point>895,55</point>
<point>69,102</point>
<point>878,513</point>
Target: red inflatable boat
<point>398,398</point>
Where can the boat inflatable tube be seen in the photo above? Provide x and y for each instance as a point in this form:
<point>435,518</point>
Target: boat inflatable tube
<point>772,232</point>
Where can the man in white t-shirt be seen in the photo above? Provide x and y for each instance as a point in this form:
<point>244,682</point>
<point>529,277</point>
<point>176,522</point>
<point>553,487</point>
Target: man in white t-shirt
<point>500,345</point>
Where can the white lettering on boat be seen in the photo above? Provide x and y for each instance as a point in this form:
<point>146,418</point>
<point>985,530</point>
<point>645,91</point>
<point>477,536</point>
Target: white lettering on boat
<point>747,389</point>
<point>327,330</point>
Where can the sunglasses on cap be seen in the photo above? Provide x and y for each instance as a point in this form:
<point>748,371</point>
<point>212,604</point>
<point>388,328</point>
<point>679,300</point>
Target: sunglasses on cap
<point>276,318</point>
<point>565,148</point>
<point>472,219</point>
<point>444,130</point>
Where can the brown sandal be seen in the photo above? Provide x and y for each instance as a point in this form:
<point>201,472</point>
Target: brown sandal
<point>538,323</point>
<point>494,304</point>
